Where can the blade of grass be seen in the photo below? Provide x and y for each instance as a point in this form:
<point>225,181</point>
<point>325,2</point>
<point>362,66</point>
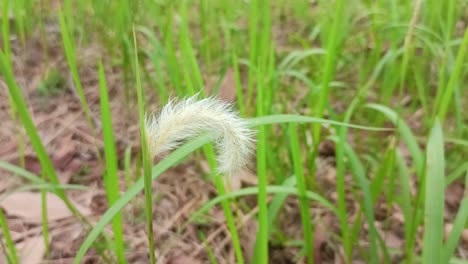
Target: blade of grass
<point>300,119</point>
<point>459,224</point>
<point>146,159</point>
<point>6,29</point>
<point>11,254</point>
<point>385,168</point>
<point>127,166</point>
<point>261,48</point>
<point>406,204</point>
<point>50,187</point>
<point>273,189</point>
<point>434,197</point>
<point>457,173</point>
<point>301,190</point>
<point>278,201</point>
<point>221,190</point>
<point>333,48</point>
<point>406,134</point>
<point>111,176</point>
<point>209,251</point>
<point>26,120</point>
<point>455,77</point>
<point>70,54</point>
<point>358,172</point>
<point>18,171</point>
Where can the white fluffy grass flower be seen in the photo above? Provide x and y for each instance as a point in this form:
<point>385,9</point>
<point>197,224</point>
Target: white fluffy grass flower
<point>185,119</point>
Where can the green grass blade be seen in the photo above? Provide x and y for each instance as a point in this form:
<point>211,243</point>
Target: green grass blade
<point>111,176</point>
<point>405,203</point>
<point>50,187</point>
<point>300,119</point>
<point>278,201</point>
<point>457,173</point>
<point>68,44</point>
<point>146,159</point>
<point>406,134</point>
<point>455,77</point>
<point>18,171</point>
<point>229,219</point>
<point>459,224</point>
<point>434,197</point>
<point>6,29</point>
<point>301,190</point>
<point>333,48</point>
<point>358,172</point>
<point>127,166</point>
<point>386,167</point>
<point>209,251</point>
<point>273,189</point>
<point>26,120</point>
<point>11,255</point>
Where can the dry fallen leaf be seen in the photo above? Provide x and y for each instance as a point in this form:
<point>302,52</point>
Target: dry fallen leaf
<point>27,205</point>
<point>32,250</point>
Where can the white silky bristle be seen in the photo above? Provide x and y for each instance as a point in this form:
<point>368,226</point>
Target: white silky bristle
<point>181,120</point>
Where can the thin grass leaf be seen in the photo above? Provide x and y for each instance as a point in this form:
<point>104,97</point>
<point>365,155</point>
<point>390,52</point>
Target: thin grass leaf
<point>301,190</point>
<point>455,77</point>
<point>146,159</point>
<point>26,120</point>
<point>405,203</point>
<point>273,189</point>
<point>434,197</point>
<point>50,187</point>
<point>18,171</point>
<point>111,176</point>
<point>458,227</point>
<point>11,254</point>
<point>209,250</point>
<point>300,119</point>
<point>277,202</point>
<point>333,42</point>
<point>6,29</point>
<point>406,134</point>
<point>70,54</point>
<point>358,172</point>
<point>457,173</point>
<point>127,166</point>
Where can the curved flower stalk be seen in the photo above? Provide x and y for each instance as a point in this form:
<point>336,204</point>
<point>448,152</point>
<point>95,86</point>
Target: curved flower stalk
<point>185,119</point>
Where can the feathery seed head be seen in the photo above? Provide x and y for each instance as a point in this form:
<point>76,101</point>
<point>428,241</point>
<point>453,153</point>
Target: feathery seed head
<point>181,120</point>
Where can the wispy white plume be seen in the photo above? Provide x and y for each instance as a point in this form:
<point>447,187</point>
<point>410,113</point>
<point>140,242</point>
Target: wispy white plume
<point>185,119</point>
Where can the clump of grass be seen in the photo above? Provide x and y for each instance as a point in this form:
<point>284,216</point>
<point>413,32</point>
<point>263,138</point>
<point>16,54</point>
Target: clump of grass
<point>53,83</point>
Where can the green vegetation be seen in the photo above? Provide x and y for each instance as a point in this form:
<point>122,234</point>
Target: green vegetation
<point>383,82</point>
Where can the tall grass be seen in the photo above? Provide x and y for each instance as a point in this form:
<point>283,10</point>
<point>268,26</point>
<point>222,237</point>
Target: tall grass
<point>399,65</point>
